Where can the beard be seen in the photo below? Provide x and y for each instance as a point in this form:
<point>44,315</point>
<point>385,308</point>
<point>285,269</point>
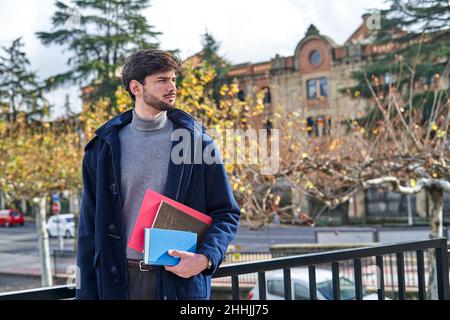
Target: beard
<point>157,103</point>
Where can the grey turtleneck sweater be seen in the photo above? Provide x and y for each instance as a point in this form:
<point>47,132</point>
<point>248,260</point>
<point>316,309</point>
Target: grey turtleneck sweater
<point>145,147</point>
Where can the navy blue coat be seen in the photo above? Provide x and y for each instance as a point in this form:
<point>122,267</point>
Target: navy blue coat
<point>101,258</point>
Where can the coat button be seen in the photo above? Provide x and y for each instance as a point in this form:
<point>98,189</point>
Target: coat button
<point>112,227</point>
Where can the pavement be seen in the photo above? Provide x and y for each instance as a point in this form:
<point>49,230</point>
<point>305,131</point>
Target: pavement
<point>20,264</point>
<point>19,253</point>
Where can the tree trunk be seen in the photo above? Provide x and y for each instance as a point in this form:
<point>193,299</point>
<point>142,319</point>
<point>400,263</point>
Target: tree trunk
<point>24,206</point>
<point>436,196</point>
<point>44,249</point>
<point>2,200</point>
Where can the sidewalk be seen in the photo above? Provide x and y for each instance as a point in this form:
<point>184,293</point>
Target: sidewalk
<point>20,264</point>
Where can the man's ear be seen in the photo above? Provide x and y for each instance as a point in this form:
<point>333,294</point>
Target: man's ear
<point>136,88</point>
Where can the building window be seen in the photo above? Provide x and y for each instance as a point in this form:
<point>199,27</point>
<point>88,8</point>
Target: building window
<point>267,97</point>
<point>241,95</point>
<point>312,89</point>
<point>317,85</point>
<point>315,58</point>
<point>310,125</point>
<point>323,87</point>
<point>318,126</point>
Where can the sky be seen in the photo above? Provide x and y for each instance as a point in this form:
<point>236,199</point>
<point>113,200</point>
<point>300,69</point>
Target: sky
<point>248,30</point>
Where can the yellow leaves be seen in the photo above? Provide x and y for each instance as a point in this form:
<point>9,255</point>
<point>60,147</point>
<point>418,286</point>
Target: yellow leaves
<point>47,140</point>
<point>234,88</point>
<point>123,99</point>
<point>224,90</point>
<point>309,185</point>
<point>34,162</point>
<point>357,94</point>
<point>412,183</point>
<point>441,133</point>
<point>434,127</point>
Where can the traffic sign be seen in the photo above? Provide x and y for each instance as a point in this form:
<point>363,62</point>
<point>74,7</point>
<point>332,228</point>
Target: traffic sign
<point>55,197</point>
<point>56,207</point>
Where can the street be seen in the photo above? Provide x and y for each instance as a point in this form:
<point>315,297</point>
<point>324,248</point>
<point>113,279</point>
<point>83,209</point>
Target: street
<point>23,240</point>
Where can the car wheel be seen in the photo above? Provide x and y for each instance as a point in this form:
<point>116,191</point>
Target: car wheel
<point>7,224</point>
<point>68,235</point>
<point>21,223</point>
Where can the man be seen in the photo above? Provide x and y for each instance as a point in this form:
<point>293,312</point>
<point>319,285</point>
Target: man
<point>129,154</point>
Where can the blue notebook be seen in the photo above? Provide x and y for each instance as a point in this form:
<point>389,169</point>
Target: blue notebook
<point>157,243</point>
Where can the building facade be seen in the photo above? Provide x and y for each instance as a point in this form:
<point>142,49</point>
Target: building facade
<point>313,80</point>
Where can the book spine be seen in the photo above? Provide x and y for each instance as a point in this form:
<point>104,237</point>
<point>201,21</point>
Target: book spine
<point>146,247</point>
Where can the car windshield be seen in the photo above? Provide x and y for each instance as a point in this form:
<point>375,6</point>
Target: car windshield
<point>15,214</point>
<point>69,220</point>
<point>347,289</point>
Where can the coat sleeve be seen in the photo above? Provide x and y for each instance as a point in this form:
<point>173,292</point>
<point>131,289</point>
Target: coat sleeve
<point>87,283</point>
<point>222,207</point>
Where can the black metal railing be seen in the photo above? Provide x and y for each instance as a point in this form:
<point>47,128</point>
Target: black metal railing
<point>64,262</point>
<point>332,258</point>
<point>439,246</point>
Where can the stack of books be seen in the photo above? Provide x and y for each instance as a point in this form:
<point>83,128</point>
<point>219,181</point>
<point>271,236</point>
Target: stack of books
<point>164,224</point>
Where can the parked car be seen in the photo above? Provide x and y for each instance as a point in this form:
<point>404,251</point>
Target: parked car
<point>61,225</point>
<point>10,217</point>
<point>300,286</point>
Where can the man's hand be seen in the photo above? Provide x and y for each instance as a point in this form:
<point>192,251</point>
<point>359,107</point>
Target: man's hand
<point>190,263</point>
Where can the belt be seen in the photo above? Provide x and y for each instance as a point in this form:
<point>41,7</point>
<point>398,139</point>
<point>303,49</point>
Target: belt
<point>140,264</point>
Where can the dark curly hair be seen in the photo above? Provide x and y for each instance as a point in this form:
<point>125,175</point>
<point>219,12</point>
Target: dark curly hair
<point>147,62</point>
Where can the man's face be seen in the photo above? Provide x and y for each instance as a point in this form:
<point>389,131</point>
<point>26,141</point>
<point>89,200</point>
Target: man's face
<point>159,90</point>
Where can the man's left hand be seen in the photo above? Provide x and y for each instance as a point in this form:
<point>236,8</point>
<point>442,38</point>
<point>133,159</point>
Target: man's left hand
<point>190,263</point>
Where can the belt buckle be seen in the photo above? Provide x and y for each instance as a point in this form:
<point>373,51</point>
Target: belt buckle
<point>140,267</point>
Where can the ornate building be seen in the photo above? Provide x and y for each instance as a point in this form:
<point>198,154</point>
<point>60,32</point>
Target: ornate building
<point>312,81</point>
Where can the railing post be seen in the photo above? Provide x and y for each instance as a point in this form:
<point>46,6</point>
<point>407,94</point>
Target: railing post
<point>312,283</point>
<point>401,276</point>
<point>421,274</point>
<point>442,270</point>
<point>380,277</point>
<point>262,285</point>
<point>336,283</point>
<point>358,279</point>
<point>235,287</point>
<point>287,284</point>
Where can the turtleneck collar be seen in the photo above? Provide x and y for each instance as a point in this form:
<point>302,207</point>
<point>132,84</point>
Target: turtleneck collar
<point>140,124</point>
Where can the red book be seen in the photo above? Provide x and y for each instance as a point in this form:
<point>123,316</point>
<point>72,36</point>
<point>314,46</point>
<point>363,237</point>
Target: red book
<point>148,211</point>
